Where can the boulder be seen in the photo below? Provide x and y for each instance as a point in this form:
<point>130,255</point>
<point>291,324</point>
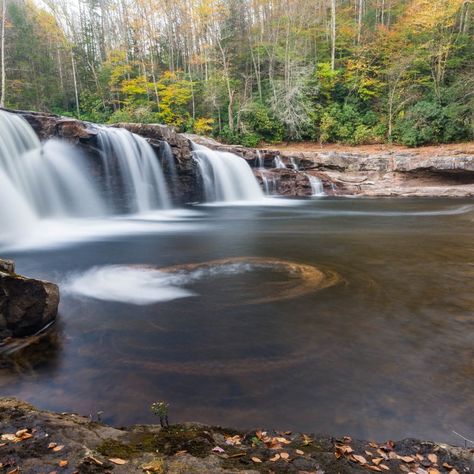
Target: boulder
<point>26,305</point>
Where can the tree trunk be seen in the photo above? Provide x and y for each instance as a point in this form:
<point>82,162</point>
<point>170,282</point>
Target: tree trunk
<point>74,75</point>
<point>333,34</point>
<point>4,73</point>
<point>359,20</point>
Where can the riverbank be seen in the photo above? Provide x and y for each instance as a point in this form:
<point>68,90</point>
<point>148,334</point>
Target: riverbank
<point>34,441</point>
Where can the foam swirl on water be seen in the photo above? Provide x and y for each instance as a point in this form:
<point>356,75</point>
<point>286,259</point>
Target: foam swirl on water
<point>144,285</point>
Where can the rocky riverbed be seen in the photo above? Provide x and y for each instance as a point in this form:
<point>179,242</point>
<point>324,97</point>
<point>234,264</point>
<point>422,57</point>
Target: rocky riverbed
<point>366,172</point>
<point>35,441</point>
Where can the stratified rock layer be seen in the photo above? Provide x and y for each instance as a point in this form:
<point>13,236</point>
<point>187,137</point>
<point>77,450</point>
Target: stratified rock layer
<point>26,305</point>
<point>381,173</point>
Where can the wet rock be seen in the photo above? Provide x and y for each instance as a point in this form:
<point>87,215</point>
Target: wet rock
<point>26,305</point>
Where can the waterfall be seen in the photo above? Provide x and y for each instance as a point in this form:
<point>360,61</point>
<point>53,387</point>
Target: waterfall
<point>269,181</point>
<point>316,185</point>
<point>278,163</point>
<point>259,161</point>
<point>167,161</point>
<point>225,176</point>
<point>41,181</point>
<point>133,176</point>
<point>294,164</point>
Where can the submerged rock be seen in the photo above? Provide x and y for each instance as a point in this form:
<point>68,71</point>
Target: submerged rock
<point>26,305</point>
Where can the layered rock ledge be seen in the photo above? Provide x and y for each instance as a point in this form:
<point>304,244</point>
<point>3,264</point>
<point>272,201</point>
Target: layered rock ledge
<point>35,441</point>
<point>27,306</point>
<point>389,172</point>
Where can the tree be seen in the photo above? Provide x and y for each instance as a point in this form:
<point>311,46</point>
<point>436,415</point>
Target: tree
<point>2,52</point>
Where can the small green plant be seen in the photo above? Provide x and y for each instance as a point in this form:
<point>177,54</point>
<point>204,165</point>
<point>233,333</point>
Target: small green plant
<point>161,409</point>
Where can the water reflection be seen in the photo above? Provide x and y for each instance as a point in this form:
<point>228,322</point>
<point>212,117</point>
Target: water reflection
<point>388,352</point>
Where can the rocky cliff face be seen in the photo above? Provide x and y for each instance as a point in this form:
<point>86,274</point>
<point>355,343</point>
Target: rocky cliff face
<point>387,173</point>
<point>27,306</point>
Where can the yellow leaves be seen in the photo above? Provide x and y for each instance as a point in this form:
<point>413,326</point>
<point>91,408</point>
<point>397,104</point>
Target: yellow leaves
<point>58,448</point>
<point>429,14</point>
<point>203,126</point>
<point>63,463</point>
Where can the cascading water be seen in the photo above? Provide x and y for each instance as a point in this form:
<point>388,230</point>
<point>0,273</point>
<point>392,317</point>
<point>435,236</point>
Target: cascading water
<point>131,171</point>
<point>259,161</point>
<point>316,185</point>
<point>278,163</point>
<point>167,161</point>
<point>225,176</point>
<point>40,181</point>
<point>294,164</point>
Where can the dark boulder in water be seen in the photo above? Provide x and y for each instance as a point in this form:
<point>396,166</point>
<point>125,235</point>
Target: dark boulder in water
<point>27,305</point>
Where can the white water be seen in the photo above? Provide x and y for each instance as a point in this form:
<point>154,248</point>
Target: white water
<point>278,163</point>
<point>38,181</point>
<point>260,162</point>
<point>226,177</point>
<point>132,170</point>
<point>270,182</point>
<point>167,160</point>
<point>316,185</point>
<point>294,164</point>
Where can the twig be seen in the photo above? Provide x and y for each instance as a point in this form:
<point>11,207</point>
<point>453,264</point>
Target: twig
<point>466,440</point>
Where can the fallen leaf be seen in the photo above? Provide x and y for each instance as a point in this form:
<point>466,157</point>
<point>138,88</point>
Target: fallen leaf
<point>95,460</point>
<point>377,461</point>
<point>298,451</point>
<point>384,466</point>
<point>118,461</point>
<point>306,440</point>
<point>433,470</point>
<point>256,460</point>
<point>20,433</point>
<point>218,449</point>
<point>284,455</point>
<point>275,458</point>
<point>359,459</point>
<point>344,449</point>
<point>374,468</point>
<point>58,448</point>
<point>368,453</point>
<point>421,471</point>
<point>233,440</point>
<point>373,445</point>
<point>453,471</point>
<point>63,463</point>
<point>433,458</point>
<point>419,457</point>
<point>393,455</point>
<point>347,439</point>
<point>447,466</point>
<point>283,440</point>
<point>52,445</point>
<point>180,453</point>
<point>407,459</point>
<point>9,437</point>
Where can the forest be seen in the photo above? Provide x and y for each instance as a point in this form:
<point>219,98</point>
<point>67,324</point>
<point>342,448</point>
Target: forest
<point>248,71</point>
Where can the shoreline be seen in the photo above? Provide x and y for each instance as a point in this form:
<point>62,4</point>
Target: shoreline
<point>34,441</point>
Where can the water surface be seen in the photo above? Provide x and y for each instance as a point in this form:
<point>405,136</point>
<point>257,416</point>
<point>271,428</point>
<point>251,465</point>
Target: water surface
<point>385,351</point>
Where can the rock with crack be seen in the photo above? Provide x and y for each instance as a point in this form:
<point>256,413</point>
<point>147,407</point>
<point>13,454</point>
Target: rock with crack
<point>27,305</point>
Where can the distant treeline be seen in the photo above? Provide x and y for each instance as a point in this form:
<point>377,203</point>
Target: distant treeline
<point>246,71</point>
